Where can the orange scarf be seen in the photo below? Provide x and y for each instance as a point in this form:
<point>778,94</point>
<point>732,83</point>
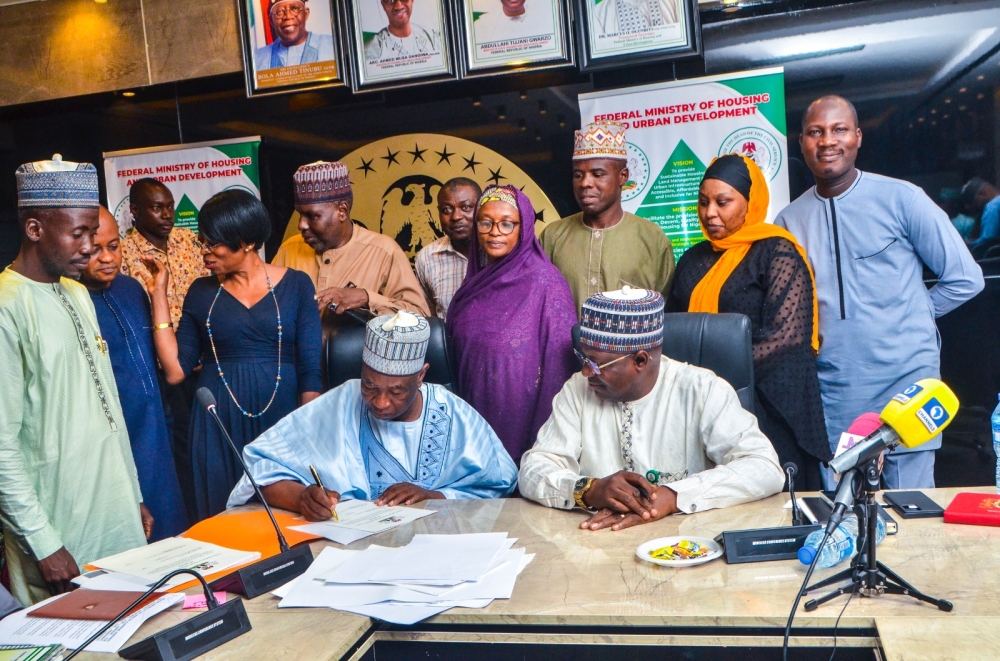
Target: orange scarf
<point>705,297</point>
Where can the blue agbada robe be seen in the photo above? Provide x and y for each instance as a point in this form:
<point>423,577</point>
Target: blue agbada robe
<point>459,454</point>
<point>126,326</point>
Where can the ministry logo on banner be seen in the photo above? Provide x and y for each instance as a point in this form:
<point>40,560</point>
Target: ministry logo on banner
<point>758,144</point>
<point>638,172</point>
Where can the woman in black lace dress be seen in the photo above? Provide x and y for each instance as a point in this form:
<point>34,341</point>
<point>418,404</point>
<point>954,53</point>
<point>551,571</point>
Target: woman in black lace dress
<point>757,269</point>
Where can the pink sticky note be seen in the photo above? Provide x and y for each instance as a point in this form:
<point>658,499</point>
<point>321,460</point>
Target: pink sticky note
<point>198,600</point>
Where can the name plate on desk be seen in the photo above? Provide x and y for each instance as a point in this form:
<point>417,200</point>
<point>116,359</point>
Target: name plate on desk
<point>267,574</point>
<point>194,637</point>
<point>763,544</point>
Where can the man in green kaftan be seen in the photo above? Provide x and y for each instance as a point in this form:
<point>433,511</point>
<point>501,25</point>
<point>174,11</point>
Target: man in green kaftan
<point>69,493</point>
<point>603,248</point>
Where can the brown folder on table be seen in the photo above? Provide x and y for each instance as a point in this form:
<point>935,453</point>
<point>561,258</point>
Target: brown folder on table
<point>92,605</point>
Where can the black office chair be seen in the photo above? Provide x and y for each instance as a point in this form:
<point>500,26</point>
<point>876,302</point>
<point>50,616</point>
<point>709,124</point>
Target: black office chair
<point>718,342</point>
<point>343,347</point>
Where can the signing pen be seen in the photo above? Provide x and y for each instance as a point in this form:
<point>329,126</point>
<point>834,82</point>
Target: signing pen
<point>319,483</point>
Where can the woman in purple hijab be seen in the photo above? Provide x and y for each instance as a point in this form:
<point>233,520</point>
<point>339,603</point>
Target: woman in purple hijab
<point>510,323</point>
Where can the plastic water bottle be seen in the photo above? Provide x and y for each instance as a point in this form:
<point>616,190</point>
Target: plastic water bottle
<point>842,545</point>
<point>995,424</point>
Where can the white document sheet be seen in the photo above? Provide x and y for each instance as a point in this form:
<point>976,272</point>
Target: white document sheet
<point>308,592</point>
<point>19,629</point>
<point>100,579</point>
<point>434,559</point>
<point>362,566</point>
<point>362,516</point>
<point>334,532</point>
<point>155,560</point>
<point>327,560</point>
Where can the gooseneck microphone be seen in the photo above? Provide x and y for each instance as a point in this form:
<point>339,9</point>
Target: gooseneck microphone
<point>194,637</point>
<point>207,401</point>
<point>790,470</point>
<point>270,573</point>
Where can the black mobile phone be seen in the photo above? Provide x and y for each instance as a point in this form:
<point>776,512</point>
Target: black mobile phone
<point>913,504</point>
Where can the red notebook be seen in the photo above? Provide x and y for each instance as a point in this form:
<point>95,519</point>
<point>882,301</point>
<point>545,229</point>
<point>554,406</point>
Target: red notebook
<point>978,509</point>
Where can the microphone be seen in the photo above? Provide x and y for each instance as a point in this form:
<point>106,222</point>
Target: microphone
<point>911,418</point>
<point>791,469</point>
<point>864,424</point>
<point>843,500</point>
<point>194,637</point>
<point>270,573</point>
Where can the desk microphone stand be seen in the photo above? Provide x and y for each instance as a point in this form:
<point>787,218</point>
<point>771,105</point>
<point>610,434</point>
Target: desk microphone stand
<point>867,575</point>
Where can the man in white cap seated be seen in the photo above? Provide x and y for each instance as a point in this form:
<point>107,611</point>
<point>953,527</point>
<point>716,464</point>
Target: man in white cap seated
<point>69,493</point>
<point>637,436</point>
<point>388,437</point>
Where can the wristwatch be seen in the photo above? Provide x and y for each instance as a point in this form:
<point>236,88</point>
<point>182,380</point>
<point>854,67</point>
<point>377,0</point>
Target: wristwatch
<point>581,487</point>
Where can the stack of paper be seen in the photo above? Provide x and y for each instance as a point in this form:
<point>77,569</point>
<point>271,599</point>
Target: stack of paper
<point>19,629</point>
<point>150,563</point>
<point>407,584</point>
<point>358,519</point>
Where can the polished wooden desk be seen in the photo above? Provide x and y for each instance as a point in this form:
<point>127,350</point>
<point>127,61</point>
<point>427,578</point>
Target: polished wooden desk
<point>582,582</point>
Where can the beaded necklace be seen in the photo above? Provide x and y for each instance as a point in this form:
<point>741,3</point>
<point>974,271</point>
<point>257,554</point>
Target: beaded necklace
<point>211,341</point>
<point>82,337</point>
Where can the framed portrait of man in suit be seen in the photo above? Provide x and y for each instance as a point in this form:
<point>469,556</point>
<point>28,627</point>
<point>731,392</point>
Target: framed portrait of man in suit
<point>290,45</point>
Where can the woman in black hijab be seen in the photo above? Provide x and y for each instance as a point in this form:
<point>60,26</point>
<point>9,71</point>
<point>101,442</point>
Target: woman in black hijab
<point>757,269</point>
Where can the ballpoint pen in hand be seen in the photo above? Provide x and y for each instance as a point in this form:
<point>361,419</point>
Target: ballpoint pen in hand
<point>319,483</point>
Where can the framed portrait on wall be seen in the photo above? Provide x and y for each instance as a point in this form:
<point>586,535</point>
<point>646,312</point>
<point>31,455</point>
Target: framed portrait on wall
<point>513,35</point>
<point>613,33</point>
<point>399,42</point>
<point>290,45</point>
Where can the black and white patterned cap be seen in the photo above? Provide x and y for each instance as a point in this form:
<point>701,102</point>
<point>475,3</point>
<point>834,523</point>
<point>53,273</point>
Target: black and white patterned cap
<point>396,344</point>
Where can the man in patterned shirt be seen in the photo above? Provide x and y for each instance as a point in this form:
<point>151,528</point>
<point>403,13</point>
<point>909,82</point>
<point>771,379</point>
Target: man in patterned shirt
<point>154,233</point>
<point>441,266</point>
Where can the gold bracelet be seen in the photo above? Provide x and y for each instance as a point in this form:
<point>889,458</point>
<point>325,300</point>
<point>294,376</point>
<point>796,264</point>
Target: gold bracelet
<point>168,324</point>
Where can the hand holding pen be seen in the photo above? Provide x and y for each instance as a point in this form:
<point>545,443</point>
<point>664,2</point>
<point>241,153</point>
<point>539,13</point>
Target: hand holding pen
<point>318,503</point>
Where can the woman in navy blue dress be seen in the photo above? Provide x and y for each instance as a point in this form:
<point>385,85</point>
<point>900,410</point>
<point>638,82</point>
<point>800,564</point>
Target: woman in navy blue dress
<point>256,332</point>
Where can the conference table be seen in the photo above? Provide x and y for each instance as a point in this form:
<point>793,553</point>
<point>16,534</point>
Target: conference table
<point>588,590</point>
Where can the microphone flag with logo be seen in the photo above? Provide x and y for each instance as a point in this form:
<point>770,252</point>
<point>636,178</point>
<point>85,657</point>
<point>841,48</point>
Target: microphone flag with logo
<point>911,418</point>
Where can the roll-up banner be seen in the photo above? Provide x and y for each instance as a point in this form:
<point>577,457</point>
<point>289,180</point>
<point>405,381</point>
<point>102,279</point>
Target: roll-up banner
<point>193,173</point>
<point>675,129</point>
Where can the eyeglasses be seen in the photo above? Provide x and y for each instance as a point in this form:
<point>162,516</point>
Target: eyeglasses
<point>290,12</point>
<point>594,367</point>
<point>390,3</point>
<point>505,226</point>
<point>205,245</point>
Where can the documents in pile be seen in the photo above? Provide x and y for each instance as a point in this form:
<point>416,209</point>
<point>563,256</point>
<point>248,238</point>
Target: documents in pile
<point>360,518</point>
<point>407,584</point>
<point>152,562</point>
<point>20,629</point>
